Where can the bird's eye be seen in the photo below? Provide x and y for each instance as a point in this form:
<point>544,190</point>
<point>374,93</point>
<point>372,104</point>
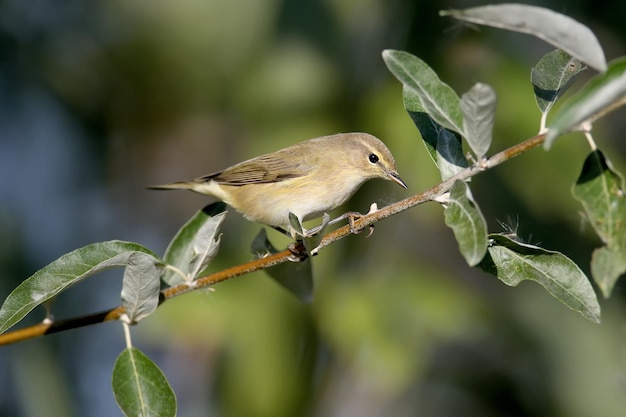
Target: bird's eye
<point>373,158</point>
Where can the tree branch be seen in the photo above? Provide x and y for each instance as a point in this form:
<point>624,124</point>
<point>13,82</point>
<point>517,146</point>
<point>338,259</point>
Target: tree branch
<point>296,249</point>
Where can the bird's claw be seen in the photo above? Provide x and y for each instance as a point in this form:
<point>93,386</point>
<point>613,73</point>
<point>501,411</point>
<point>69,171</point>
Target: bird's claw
<point>298,252</point>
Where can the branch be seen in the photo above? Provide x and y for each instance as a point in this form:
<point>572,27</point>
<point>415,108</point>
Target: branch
<point>296,249</point>
<point>49,327</point>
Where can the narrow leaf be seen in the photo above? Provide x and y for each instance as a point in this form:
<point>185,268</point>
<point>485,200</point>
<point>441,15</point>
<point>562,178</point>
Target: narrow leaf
<point>140,287</point>
<point>295,224</point>
<point>559,30</point>
<point>312,242</point>
<point>140,388</point>
<point>437,98</point>
<point>479,109</point>
<point>463,216</point>
<point>552,76</point>
<point>443,145</point>
<point>513,262</point>
<point>600,189</point>
<point>603,93</point>
<point>296,277</point>
<point>67,270</point>
<point>181,252</point>
<point>205,245</point>
<point>607,265</point>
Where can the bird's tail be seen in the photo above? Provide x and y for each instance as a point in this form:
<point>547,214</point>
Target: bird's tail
<point>180,185</point>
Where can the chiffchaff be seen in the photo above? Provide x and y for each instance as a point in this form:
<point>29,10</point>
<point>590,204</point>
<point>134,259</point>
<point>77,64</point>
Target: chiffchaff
<point>307,179</point>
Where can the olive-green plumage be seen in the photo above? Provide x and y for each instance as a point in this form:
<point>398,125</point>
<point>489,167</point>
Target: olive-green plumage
<point>308,179</point>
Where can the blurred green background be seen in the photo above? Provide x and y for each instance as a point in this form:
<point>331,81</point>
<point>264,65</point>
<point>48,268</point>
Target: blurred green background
<point>100,98</point>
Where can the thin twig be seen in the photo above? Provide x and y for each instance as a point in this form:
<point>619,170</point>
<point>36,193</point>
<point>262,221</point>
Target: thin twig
<point>50,327</point>
<point>297,250</point>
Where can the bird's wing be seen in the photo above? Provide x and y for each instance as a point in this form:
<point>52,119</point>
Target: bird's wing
<point>260,170</point>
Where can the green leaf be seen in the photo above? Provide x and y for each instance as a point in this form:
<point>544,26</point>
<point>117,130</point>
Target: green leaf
<point>68,270</point>
<point>479,109</point>
<point>561,31</point>
<point>194,245</point>
<point>443,146</point>
<point>437,98</point>
<point>600,95</point>
<point>512,262</point>
<point>296,277</point>
<point>600,190</point>
<point>140,287</point>
<point>205,245</point>
<point>295,224</point>
<point>140,388</point>
<point>463,216</point>
<point>551,77</point>
<point>607,265</point>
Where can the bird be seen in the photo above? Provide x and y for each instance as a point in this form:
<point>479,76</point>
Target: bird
<point>308,179</point>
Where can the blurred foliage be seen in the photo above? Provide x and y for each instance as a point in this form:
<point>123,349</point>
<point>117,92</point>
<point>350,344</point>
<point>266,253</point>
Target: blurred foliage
<point>98,99</point>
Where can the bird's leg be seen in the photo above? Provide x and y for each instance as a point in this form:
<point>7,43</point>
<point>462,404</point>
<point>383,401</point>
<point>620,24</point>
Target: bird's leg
<point>344,216</point>
<point>306,239</point>
<point>318,230</point>
<point>298,252</point>
<point>354,215</point>
<point>351,216</point>
<point>281,230</point>
<point>300,234</point>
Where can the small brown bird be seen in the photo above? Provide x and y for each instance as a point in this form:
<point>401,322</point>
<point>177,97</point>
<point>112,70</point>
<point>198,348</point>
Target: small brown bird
<point>307,179</point>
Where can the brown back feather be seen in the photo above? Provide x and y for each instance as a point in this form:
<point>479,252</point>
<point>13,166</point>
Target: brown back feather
<point>260,170</point>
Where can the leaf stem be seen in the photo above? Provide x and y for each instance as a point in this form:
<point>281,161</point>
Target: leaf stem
<point>129,341</point>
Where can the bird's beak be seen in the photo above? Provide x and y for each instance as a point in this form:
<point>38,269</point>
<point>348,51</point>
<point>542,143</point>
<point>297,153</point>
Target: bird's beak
<point>395,177</point>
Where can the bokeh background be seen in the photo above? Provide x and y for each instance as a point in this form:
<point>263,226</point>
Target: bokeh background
<point>100,98</point>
